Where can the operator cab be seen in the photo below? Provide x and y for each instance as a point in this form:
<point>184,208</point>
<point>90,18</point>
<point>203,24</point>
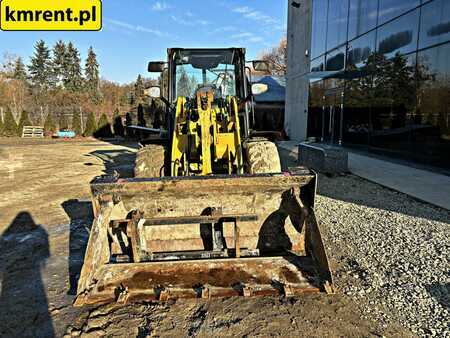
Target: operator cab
<point>222,71</point>
<point>216,70</point>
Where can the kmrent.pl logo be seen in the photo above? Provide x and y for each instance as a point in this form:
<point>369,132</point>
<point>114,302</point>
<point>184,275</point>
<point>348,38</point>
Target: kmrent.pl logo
<point>50,15</point>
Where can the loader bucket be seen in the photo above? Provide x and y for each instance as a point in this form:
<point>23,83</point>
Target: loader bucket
<point>203,237</point>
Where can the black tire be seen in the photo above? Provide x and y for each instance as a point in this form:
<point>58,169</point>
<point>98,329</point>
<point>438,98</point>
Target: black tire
<point>150,162</point>
<point>262,158</point>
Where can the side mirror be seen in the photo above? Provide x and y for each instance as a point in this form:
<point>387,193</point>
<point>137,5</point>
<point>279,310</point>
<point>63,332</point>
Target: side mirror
<point>259,88</point>
<point>260,66</point>
<point>156,66</point>
<point>153,92</point>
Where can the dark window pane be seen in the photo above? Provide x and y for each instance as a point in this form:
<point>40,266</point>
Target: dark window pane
<point>360,49</point>
<point>431,136</point>
<point>399,36</point>
<point>435,60</point>
<point>315,111</point>
<point>357,111</point>
<point>335,60</point>
<point>337,23</point>
<point>379,107</point>
<point>318,65</point>
<point>390,9</point>
<point>435,24</point>
<point>319,27</point>
<point>330,86</point>
<point>363,17</point>
<point>393,101</point>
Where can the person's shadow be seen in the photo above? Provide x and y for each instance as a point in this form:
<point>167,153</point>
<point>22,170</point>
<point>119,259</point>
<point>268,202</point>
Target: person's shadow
<point>24,249</point>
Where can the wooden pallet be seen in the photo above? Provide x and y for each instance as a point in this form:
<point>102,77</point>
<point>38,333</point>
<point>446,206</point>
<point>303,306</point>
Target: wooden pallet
<point>33,132</point>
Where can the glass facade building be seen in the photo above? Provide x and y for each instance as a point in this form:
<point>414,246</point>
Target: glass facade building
<point>385,83</point>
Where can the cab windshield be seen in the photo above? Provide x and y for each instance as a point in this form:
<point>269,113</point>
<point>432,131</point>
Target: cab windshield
<point>205,69</point>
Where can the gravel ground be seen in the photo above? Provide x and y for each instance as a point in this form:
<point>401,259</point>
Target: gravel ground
<point>390,251</point>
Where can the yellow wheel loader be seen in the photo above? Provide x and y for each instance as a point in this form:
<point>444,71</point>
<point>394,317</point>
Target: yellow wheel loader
<point>209,213</point>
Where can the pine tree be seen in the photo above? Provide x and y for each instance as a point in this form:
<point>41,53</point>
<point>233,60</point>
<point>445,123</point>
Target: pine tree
<point>118,124</point>
<point>92,76</point>
<point>139,88</point>
<point>128,122</point>
<point>9,125</point>
<point>91,125</point>
<point>131,99</point>
<point>63,123</point>
<point>23,121</point>
<point>49,125</point>
<point>402,82</point>
<point>159,113</point>
<point>128,119</point>
<point>193,83</point>
<point>184,87</point>
<point>73,79</point>
<point>59,62</point>
<point>76,123</point>
<point>41,67</point>
<point>104,127</point>
<point>19,72</point>
<point>141,116</point>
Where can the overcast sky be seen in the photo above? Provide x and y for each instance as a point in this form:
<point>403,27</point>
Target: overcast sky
<point>137,31</point>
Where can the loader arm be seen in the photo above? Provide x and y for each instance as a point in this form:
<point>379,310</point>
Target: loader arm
<point>206,137</point>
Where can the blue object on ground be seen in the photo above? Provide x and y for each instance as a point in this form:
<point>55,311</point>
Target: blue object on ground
<point>66,134</point>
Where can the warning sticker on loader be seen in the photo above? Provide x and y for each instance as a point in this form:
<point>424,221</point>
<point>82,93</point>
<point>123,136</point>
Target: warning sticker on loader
<point>51,15</point>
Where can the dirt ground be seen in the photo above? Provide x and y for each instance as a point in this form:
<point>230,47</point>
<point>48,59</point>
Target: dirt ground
<point>45,215</point>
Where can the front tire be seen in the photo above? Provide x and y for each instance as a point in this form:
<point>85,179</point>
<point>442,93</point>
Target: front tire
<point>150,162</point>
<point>262,158</point>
